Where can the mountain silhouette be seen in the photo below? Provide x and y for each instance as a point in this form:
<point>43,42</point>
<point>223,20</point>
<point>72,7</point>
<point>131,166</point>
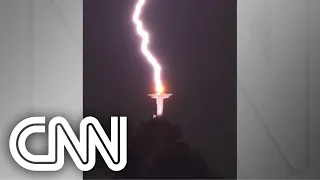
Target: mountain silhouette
<point>158,151</point>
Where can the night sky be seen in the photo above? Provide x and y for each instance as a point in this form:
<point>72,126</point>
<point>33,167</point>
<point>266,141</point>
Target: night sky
<point>195,41</point>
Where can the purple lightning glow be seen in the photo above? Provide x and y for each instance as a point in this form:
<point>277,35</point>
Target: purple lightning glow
<point>144,46</point>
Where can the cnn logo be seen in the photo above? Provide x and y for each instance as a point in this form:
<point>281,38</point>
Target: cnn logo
<point>61,137</point>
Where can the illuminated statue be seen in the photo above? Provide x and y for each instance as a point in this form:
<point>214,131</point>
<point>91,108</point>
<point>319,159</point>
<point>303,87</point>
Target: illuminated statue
<point>159,98</point>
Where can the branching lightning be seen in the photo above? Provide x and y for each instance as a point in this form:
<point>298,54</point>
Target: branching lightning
<point>144,45</point>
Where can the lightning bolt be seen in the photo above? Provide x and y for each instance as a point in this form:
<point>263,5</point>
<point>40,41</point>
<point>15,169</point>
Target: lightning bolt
<point>144,45</point>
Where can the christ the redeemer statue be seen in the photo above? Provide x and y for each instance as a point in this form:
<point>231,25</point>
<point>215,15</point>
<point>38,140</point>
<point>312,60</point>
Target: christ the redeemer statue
<point>159,98</point>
